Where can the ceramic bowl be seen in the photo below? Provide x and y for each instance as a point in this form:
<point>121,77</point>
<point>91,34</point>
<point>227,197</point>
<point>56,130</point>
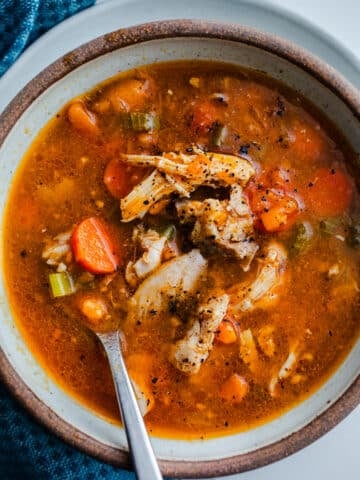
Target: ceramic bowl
<point>76,73</point>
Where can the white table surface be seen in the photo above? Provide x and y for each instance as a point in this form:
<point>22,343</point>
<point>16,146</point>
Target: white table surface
<point>337,454</point>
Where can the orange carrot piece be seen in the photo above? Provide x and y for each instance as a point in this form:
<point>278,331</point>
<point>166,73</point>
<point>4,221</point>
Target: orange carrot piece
<point>82,119</point>
<point>120,178</point>
<point>280,216</point>
<point>307,143</point>
<point>128,94</point>
<point>234,389</point>
<point>226,332</point>
<point>329,193</point>
<point>93,248</point>
<point>204,116</point>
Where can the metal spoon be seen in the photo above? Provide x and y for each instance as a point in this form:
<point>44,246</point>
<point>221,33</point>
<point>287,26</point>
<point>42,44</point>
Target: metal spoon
<point>142,454</point>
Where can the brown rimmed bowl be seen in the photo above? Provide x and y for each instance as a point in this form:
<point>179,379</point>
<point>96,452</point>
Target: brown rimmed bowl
<point>77,72</point>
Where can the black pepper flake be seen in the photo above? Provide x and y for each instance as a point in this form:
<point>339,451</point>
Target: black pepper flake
<point>333,171</point>
<point>310,184</point>
<point>189,150</point>
<point>244,149</point>
<point>146,202</point>
<point>154,380</point>
<point>153,311</point>
<point>330,333</point>
<point>138,322</point>
<point>226,424</point>
<point>280,107</point>
<point>23,253</point>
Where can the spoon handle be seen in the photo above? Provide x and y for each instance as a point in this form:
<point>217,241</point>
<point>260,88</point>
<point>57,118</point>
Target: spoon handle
<point>144,460</point>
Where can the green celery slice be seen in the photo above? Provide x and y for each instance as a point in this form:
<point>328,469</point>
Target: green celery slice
<point>61,284</point>
<point>144,122</point>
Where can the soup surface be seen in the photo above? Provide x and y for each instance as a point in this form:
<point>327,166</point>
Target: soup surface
<point>208,213</point>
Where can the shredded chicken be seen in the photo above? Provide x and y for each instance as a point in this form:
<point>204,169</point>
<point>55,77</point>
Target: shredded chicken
<point>262,291</point>
<point>145,194</point>
<point>190,352</point>
<point>153,245</point>
<point>266,341</point>
<point>198,168</point>
<point>181,173</point>
<point>228,224</point>
<point>176,279</point>
<point>286,369</point>
<point>248,352</point>
<point>57,252</point>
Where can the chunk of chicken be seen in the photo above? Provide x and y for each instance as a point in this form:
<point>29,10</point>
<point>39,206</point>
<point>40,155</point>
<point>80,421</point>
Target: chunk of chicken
<point>286,369</point>
<point>153,245</point>
<point>228,224</point>
<point>199,168</point>
<point>176,279</point>
<point>189,353</point>
<point>262,291</point>
<point>146,193</point>
<point>266,340</point>
<point>248,352</point>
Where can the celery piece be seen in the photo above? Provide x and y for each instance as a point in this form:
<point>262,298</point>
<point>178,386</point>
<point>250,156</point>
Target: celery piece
<point>144,122</point>
<point>61,284</point>
<point>302,239</point>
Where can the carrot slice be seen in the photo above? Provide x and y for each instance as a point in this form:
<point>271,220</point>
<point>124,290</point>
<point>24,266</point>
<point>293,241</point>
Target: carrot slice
<point>92,247</point>
<point>226,332</point>
<point>307,143</point>
<point>271,200</point>
<point>82,119</point>
<point>281,216</point>
<point>329,193</point>
<point>234,389</point>
<point>120,178</point>
<point>204,116</point>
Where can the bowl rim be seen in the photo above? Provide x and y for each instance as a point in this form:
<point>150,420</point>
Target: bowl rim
<point>118,39</point>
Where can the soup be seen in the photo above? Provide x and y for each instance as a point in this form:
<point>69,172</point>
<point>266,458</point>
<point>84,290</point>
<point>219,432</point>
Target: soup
<point>207,212</point>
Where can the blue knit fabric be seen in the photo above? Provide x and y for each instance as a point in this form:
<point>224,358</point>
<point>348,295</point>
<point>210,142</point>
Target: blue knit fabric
<point>22,21</point>
<point>27,450</point>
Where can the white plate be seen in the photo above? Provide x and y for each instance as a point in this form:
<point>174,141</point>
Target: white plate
<point>336,454</point>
